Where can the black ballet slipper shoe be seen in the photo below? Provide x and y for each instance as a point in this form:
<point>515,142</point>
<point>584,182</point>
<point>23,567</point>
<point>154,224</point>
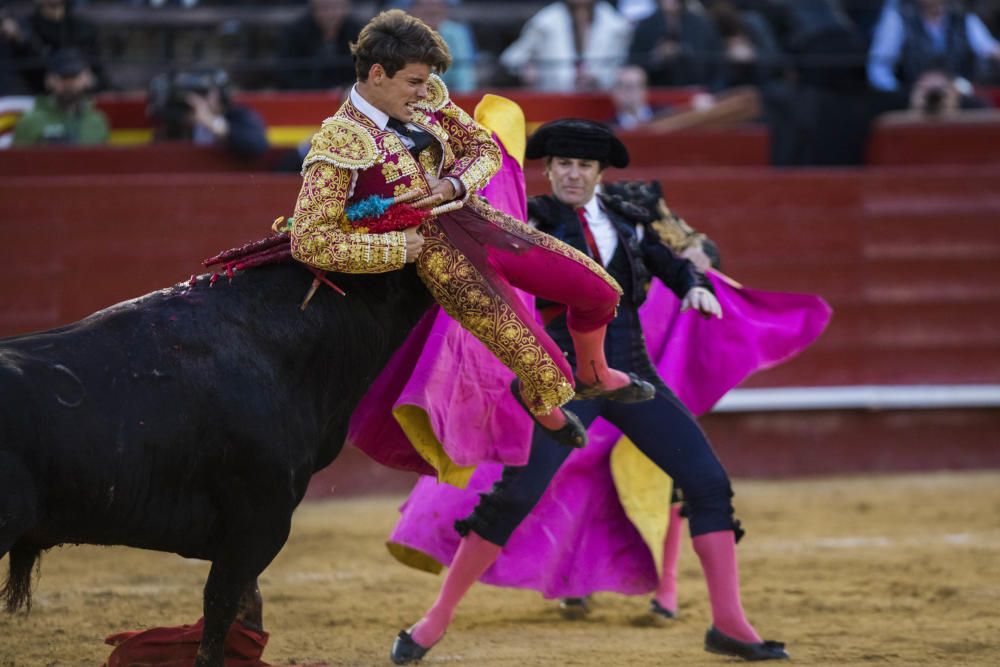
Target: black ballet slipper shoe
<point>574,609</point>
<point>571,434</point>
<point>406,650</point>
<point>636,391</point>
<point>658,609</point>
<point>717,642</point>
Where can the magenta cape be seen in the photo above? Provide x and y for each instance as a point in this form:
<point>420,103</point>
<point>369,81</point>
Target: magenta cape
<point>441,405</point>
<point>579,540</point>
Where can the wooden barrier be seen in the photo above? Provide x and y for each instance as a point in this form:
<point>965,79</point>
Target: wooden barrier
<point>908,258</point>
<point>972,138</point>
<point>293,116</point>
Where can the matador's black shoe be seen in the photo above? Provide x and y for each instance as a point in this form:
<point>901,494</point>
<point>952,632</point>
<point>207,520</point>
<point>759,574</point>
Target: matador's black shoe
<point>716,642</point>
<point>405,650</point>
<point>571,434</point>
<point>636,391</point>
<point>658,609</point>
<point>574,609</point>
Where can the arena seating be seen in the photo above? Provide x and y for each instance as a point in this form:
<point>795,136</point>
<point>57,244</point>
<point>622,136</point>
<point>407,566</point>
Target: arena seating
<point>293,117</point>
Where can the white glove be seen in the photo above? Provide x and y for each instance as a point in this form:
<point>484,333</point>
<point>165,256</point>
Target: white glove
<point>703,301</point>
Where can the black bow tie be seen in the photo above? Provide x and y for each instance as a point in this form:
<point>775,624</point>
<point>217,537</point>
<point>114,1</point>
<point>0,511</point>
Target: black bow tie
<point>418,138</point>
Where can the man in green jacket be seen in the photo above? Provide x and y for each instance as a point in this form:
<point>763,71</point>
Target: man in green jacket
<point>66,115</point>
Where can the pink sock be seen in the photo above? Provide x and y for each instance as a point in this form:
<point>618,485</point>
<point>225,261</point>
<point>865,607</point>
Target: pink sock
<point>473,558</point>
<point>666,592</point>
<point>717,552</point>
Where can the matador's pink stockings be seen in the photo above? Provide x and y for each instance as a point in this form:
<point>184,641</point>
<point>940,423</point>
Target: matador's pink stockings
<point>717,552</point>
<point>591,364</point>
<point>473,558</point>
<point>666,592</point>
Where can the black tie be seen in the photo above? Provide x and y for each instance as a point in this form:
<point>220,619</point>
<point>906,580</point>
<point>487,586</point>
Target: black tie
<point>417,137</point>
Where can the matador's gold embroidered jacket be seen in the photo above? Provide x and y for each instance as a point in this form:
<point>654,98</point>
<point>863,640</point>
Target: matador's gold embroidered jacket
<point>351,158</point>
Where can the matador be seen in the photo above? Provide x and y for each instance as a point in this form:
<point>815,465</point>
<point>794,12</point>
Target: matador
<point>397,134</point>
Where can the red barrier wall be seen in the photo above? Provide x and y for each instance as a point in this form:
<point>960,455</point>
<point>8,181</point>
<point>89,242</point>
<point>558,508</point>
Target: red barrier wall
<point>899,146</point>
<point>909,259</point>
<point>127,111</point>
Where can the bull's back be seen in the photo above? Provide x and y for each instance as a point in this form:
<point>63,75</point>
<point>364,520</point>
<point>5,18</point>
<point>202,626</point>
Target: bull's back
<point>125,419</point>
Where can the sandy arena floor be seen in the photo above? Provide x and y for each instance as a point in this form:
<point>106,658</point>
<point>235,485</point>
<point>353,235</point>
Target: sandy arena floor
<point>901,570</point>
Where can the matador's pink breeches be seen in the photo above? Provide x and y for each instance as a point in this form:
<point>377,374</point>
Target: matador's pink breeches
<point>473,257</point>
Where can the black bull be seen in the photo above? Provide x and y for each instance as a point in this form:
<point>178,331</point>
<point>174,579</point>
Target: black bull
<point>189,420</point>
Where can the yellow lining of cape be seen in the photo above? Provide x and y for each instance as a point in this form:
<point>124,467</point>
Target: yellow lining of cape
<point>414,558</point>
<point>417,427</point>
<point>504,117</point>
<point>644,492</point>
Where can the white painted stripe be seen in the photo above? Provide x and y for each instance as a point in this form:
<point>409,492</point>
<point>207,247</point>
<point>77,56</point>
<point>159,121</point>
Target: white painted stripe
<point>986,540</point>
<point>868,397</point>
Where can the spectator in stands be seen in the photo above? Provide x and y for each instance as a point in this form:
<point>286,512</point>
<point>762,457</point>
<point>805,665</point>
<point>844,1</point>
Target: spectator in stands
<point>66,115</point>
<point>196,107</point>
<point>825,116</point>
<point>50,27</point>
<point>826,46</point>
<point>751,53</point>
<point>916,36</point>
<point>461,76</point>
<point>936,98</point>
<point>636,10</point>
<point>570,46</point>
<point>631,98</point>
<point>316,52</point>
<point>678,45</point>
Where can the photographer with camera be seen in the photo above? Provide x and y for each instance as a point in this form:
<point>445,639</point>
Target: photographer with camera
<point>195,106</point>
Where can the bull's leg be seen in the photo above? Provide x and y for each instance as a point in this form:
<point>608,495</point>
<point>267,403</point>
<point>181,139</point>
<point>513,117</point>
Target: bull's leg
<point>251,610</point>
<point>18,506</point>
<point>18,515</point>
<point>232,578</point>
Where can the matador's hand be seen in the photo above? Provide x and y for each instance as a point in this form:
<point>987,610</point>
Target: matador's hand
<point>414,243</point>
<point>444,187</point>
<point>703,301</point>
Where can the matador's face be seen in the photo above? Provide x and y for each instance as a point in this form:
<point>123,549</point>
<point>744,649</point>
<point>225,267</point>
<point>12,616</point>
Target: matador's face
<point>573,179</point>
<point>398,95</point>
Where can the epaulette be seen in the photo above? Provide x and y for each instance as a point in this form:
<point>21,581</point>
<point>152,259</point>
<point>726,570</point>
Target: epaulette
<point>437,95</point>
<point>342,143</point>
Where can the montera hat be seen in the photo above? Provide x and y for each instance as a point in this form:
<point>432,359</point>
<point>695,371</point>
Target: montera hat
<point>579,138</point>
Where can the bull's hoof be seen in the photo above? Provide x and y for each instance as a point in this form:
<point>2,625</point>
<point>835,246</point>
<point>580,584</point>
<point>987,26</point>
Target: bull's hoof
<point>405,650</point>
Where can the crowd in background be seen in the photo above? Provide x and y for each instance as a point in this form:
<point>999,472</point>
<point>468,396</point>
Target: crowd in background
<point>808,63</point>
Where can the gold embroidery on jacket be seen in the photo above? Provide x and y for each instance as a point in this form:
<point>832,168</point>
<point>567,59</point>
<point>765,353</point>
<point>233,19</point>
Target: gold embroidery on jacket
<point>674,231</point>
<point>460,289</point>
<point>437,95</point>
<point>477,157</point>
<point>322,236</point>
<point>342,143</point>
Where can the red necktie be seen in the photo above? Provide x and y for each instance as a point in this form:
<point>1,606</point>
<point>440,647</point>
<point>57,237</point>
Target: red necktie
<point>589,236</point>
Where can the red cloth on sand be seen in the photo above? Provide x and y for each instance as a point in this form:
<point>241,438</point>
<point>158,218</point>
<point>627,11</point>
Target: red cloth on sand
<point>178,647</point>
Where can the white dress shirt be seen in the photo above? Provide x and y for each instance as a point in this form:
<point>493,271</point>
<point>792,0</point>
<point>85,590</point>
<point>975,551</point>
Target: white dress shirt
<point>381,120</point>
<point>605,234</point>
